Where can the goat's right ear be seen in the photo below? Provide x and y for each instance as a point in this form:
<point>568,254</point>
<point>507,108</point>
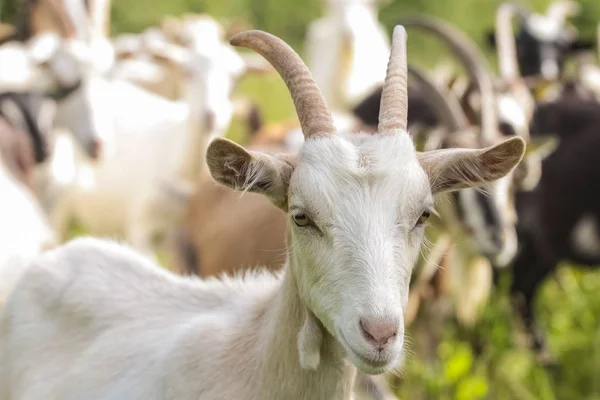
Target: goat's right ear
<point>454,169</point>
<point>233,166</point>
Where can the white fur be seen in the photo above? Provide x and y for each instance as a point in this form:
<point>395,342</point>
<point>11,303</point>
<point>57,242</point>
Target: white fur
<point>204,40</point>
<point>24,230</point>
<point>47,63</point>
<point>371,235</point>
<point>586,237</point>
<point>356,22</point>
<point>512,112</point>
<point>159,148</point>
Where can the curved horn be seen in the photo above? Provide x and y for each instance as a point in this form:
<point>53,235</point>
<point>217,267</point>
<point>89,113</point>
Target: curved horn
<point>474,63</point>
<point>447,106</point>
<point>505,41</point>
<point>393,110</point>
<point>315,118</point>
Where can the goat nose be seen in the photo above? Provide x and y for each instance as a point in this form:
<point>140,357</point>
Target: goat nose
<point>378,332</point>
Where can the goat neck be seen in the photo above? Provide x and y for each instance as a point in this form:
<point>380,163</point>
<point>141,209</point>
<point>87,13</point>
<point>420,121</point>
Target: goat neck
<point>284,318</point>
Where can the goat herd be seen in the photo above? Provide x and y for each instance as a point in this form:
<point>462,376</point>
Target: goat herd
<point>125,136</point>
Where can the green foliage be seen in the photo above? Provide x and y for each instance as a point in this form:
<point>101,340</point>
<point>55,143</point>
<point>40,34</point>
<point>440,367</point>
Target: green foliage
<point>491,361</point>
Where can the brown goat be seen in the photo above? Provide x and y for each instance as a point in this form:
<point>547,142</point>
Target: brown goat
<point>216,241</point>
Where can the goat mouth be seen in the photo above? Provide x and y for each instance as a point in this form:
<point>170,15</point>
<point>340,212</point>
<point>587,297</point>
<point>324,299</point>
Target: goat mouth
<point>372,366</point>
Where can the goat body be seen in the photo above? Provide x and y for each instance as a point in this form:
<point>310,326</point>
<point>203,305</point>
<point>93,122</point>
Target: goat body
<point>152,134</point>
<point>560,218</point>
<point>145,333</point>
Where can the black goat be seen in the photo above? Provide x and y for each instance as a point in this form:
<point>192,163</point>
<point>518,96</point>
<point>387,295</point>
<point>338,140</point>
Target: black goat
<point>420,109</point>
<point>560,219</point>
<point>539,56</point>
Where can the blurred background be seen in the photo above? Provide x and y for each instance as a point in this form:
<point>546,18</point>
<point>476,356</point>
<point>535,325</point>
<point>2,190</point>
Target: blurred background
<point>490,358</point>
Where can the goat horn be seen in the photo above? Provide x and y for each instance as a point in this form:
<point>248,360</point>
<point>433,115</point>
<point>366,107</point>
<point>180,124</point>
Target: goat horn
<point>505,41</point>
<point>393,110</point>
<point>447,105</point>
<point>315,118</point>
<point>474,63</point>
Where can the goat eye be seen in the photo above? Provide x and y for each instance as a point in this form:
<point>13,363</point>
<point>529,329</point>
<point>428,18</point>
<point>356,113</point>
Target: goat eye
<point>423,218</point>
<point>301,220</point>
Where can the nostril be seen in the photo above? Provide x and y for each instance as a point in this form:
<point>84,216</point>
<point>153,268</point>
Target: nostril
<point>378,332</point>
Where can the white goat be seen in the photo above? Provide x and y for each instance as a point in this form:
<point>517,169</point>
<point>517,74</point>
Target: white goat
<point>347,51</point>
<point>62,68</point>
<point>142,58</point>
<point>159,151</point>
<point>95,320</point>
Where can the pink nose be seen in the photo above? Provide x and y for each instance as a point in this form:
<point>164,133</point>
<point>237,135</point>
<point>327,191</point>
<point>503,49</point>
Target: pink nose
<point>377,332</point>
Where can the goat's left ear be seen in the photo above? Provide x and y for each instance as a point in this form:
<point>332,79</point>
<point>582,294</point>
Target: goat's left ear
<point>233,166</point>
<point>453,169</point>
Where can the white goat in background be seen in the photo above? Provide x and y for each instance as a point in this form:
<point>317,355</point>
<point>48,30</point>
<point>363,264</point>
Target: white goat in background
<point>123,328</point>
<point>145,60</point>
<point>62,68</point>
<point>159,151</point>
<point>347,51</point>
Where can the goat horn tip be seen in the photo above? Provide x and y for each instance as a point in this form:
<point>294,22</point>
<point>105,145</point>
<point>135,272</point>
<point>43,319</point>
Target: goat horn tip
<point>399,31</point>
<point>241,39</point>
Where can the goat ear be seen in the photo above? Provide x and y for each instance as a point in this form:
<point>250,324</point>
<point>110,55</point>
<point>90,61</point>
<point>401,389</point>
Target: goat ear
<point>453,169</point>
<point>233,166</point>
